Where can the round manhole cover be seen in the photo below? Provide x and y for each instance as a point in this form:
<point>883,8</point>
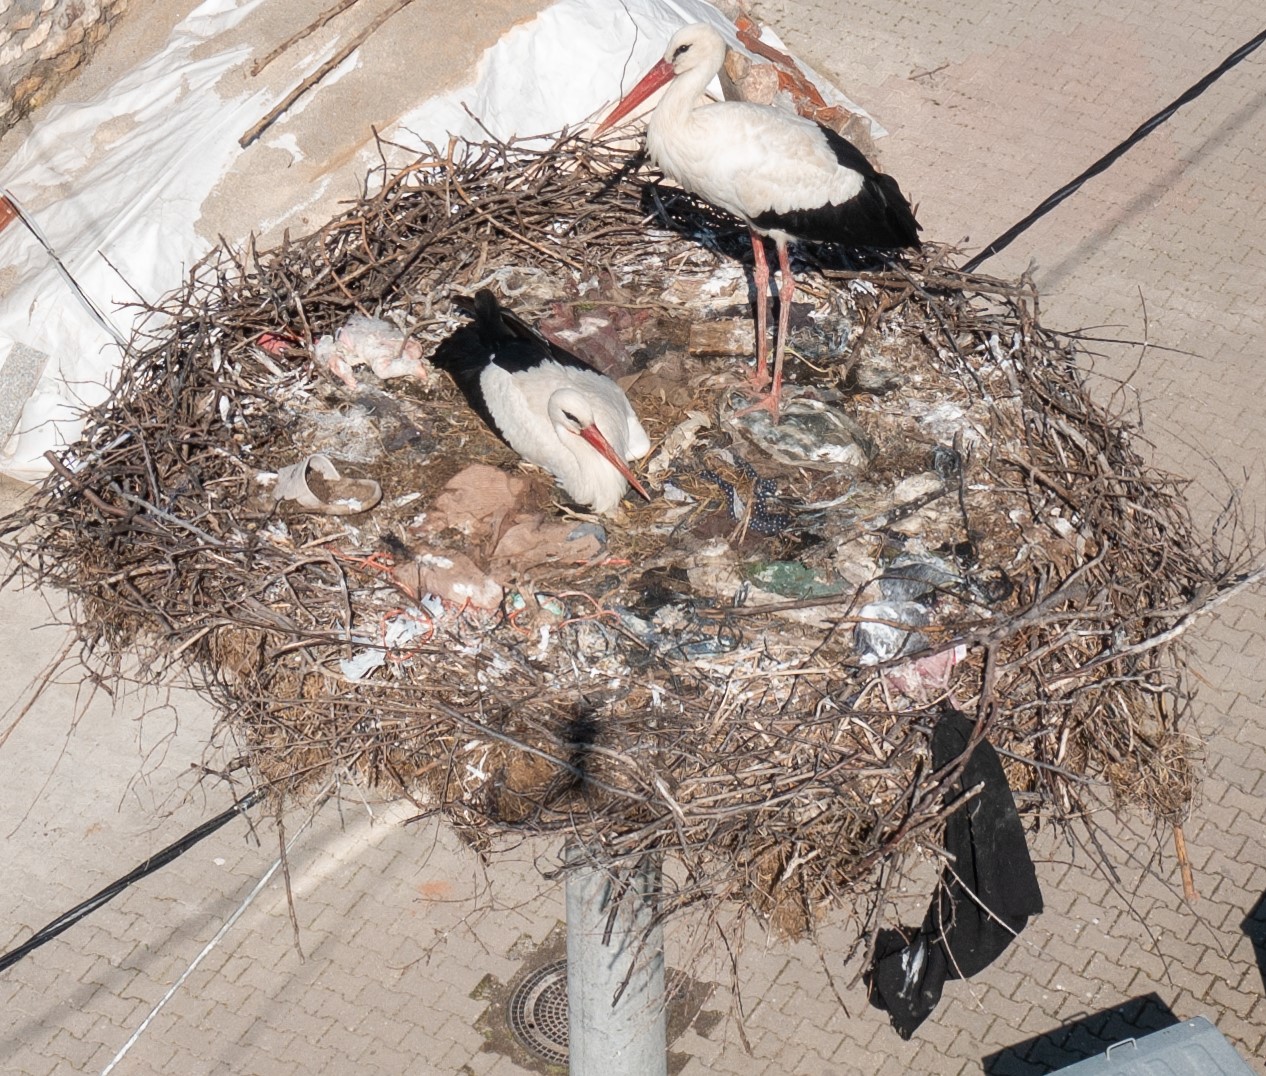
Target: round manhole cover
<point>538,1012</point>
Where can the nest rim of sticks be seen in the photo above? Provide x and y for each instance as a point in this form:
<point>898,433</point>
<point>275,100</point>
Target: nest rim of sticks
<point>779,773</point>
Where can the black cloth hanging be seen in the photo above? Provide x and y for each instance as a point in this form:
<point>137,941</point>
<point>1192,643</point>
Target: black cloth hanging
<point>991,869</point>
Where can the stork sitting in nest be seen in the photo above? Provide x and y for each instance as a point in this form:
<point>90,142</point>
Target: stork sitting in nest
<point>551,407</point>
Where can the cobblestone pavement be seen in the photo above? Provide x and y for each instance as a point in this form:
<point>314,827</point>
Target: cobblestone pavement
<point>405,934</point>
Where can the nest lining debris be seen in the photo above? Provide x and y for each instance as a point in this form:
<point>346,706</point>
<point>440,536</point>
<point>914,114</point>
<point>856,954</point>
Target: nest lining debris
<point>735,677</point>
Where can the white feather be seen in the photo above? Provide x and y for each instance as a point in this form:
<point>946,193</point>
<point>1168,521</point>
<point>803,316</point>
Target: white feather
<point>746,158</point>
<point>528,407</point>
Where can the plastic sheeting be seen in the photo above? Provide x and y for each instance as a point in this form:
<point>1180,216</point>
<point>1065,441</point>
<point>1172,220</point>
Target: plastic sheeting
<point>118,183</point>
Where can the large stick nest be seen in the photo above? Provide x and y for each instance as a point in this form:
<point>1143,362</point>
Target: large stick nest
<point>700,688</point>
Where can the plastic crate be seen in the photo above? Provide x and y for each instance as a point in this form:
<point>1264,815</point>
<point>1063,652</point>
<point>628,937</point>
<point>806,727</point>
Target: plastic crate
<point>1192,1048</point>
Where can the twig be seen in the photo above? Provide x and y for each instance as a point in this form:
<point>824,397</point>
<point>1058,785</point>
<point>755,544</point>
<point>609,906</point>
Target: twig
<point>1184,865</point>
<point>294,38</point>
<point>320,73</point>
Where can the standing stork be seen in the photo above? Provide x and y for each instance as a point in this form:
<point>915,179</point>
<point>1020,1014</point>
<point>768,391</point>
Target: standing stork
<point>787,177</point>
<point>550,407</point>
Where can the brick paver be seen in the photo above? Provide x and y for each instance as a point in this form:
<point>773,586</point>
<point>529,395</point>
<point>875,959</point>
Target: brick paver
<point>399,925</point>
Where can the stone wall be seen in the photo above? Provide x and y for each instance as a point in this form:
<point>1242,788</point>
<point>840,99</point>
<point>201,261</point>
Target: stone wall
<point>42,42</point>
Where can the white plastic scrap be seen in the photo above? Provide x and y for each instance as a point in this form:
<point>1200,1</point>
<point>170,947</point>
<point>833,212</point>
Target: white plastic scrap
<point>676,495</point>
<point>809,433</point>
<point>399,631</point>
<point>432,606</point>
<point>677,441</point>
<point>362,663</point>
<point>724,279</point>
<point>882,641</point>
<point>372,342</point>
<point>476,769</point>
<point>916,486</point>
<point>947,419</point>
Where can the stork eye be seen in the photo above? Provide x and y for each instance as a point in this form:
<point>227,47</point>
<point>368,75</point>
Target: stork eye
<point>680,51</point>
<point>571,418</point>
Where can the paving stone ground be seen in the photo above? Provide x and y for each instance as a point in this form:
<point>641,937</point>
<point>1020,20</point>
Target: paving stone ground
<point>991,106</point>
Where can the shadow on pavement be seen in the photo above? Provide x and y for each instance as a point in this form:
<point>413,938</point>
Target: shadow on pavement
<point>1254,928</point>
<point>1087,1037</point>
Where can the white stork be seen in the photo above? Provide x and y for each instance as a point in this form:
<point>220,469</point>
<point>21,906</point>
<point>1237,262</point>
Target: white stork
<point>546,404</point>
<point>787,177</point>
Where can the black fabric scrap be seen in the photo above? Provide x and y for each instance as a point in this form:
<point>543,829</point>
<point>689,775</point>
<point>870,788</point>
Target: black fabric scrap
<point>990,860</point>
<point>764,520</point>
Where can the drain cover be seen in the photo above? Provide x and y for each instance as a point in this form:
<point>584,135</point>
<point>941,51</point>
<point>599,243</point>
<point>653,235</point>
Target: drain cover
<point>538,1012</point>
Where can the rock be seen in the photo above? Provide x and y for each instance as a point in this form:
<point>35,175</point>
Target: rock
<point>42,44</point>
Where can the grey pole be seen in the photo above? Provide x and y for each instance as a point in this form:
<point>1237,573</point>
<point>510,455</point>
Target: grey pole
<point>628,1038</point>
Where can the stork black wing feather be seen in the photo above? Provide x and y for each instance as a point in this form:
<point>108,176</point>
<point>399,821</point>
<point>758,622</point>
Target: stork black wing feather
<point>464,356</point>
<point>878,216</point>
<point>846,153</point>
<point>515,345</point>
<point>497,337</point>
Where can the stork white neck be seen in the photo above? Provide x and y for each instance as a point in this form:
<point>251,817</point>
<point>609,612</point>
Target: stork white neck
<point>695,55</point>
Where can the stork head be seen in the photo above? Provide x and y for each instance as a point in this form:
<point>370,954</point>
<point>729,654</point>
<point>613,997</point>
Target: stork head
<point>572,414</point>
<point>694,47</point>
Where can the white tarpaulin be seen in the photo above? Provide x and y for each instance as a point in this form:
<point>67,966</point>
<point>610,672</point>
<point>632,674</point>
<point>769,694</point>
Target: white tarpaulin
<point>122,185</point>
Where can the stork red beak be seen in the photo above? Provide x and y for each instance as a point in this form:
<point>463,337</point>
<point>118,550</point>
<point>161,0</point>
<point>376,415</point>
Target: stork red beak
<point>659,75</point>
<point>594,436</point>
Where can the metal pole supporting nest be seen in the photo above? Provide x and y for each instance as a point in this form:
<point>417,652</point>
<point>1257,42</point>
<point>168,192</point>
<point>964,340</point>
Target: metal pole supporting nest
<point>615,970</point>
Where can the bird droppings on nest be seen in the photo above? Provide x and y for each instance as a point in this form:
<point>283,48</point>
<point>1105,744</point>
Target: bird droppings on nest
<point>760,658</point>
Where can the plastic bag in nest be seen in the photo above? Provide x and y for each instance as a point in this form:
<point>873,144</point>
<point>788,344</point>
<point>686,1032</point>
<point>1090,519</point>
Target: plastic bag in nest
<point>810,432</point>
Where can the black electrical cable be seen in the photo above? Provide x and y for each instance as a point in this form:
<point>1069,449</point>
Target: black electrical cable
<point>161,859</point>
<point>1004,240</point>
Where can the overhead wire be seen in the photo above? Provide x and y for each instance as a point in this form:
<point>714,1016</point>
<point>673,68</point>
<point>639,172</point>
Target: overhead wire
<point>1104,162</point>
<point>219,934</point>
<point>9,201</point>
<point>155,862</point>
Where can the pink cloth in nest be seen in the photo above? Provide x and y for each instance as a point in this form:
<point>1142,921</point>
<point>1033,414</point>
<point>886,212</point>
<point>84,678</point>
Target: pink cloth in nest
<point>483,503</point>
<point>924,678</point>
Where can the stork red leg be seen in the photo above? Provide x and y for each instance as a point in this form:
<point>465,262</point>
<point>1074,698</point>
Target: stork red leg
<point>761,272</point>
<point>742,158</point>
<point>786,289</point>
